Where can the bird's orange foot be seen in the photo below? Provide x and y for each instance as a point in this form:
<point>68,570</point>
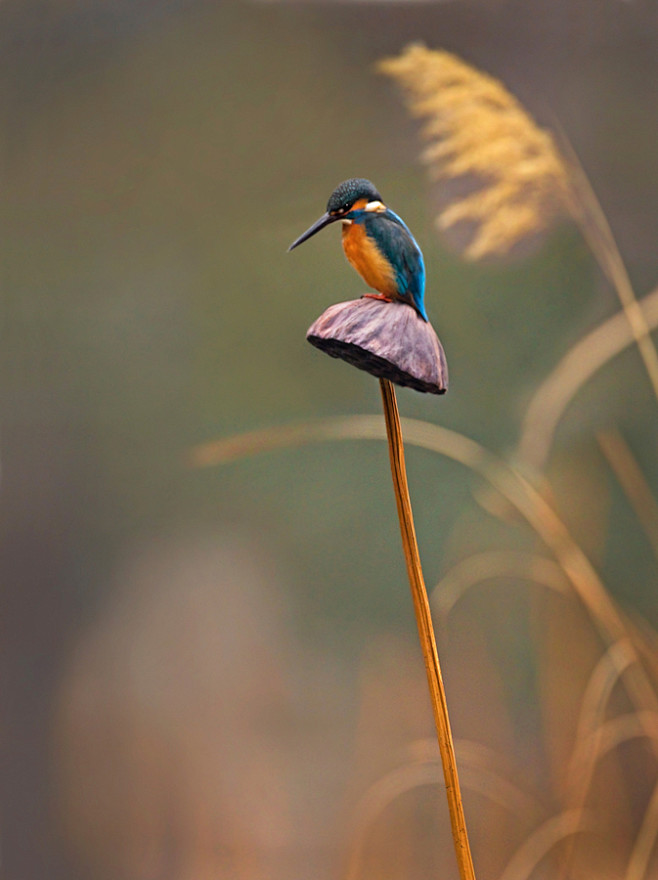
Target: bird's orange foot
<point>378,296</point>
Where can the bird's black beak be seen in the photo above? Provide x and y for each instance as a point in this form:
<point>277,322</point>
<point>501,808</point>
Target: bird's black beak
<point>325,220</point>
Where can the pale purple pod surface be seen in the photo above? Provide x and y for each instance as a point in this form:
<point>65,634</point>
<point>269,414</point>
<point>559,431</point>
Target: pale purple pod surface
<point>387,339</point>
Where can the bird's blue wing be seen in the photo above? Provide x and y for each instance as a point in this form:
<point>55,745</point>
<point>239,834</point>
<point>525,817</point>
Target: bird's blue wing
<point>397,244</point>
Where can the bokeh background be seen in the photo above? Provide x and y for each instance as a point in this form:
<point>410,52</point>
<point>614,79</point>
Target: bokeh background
<point>206,670</point>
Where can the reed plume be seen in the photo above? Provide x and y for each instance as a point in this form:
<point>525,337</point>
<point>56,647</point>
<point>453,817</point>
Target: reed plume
<point>475,127</point>
<point>477,130</point>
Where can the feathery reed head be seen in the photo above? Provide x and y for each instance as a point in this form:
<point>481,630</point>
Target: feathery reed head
<point>386,339</point>
<point>476,128</point>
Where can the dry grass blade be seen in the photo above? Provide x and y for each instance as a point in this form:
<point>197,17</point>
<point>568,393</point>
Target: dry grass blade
<point>423,768</point>
<point>450,443</point>
<point>377,798</point>
<point>490,565</point>
<point>642,724</point>
<point>537,846</point>
<point>603,679</point>
<point>481,773</point>
<point>508,482</point>
<point>589,730</point>
<point>583,578</point>
<point>580,363</point>
<point>476,128</point>
<point>632,481</point>
<point>540,516</point>
<point>426,632</point>
<point>595,227</point>
<point>604,739</point>
<point>285,437</point>
<point>645,841</point>
<point>645,640</point>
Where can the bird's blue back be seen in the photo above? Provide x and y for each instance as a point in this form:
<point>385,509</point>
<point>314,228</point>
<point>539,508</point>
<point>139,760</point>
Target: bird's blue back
<point>396,243</point>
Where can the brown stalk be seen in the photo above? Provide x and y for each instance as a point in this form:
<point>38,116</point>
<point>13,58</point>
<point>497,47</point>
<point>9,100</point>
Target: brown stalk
<point>583,360</point>
<point>426,632</point>
<point>595,227</point>
<point>633,482</point>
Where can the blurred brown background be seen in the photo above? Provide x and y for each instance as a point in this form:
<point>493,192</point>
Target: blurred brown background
<point>204,671</point>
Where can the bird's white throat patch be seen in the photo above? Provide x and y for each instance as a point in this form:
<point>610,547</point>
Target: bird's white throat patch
<point>347,222</point>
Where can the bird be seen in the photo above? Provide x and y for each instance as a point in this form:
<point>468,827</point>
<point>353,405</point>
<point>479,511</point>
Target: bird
<point>377,243</point>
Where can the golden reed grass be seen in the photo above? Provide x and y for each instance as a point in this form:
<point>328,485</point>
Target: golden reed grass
<point>495,565</point>
<point>629,660</point>
<point>419,767</point>
<point>583,360</point>
<point>522,179</point>
<point>633,481</point>
<point>500,475</point>
<point>475,128</point>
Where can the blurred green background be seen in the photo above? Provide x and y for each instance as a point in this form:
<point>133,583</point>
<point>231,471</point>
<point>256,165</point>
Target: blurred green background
<point>159,158</point>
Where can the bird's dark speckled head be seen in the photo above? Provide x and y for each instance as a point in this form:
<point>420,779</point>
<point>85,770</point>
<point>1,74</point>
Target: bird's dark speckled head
<point>350,191</point>
<point>340,202</point>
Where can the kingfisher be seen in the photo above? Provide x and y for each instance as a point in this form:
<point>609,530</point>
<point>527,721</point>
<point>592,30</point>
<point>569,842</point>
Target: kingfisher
<point>376,242</point>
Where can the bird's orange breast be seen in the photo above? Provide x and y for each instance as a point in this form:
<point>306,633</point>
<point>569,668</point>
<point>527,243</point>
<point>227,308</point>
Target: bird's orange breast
<point>364,255</point>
